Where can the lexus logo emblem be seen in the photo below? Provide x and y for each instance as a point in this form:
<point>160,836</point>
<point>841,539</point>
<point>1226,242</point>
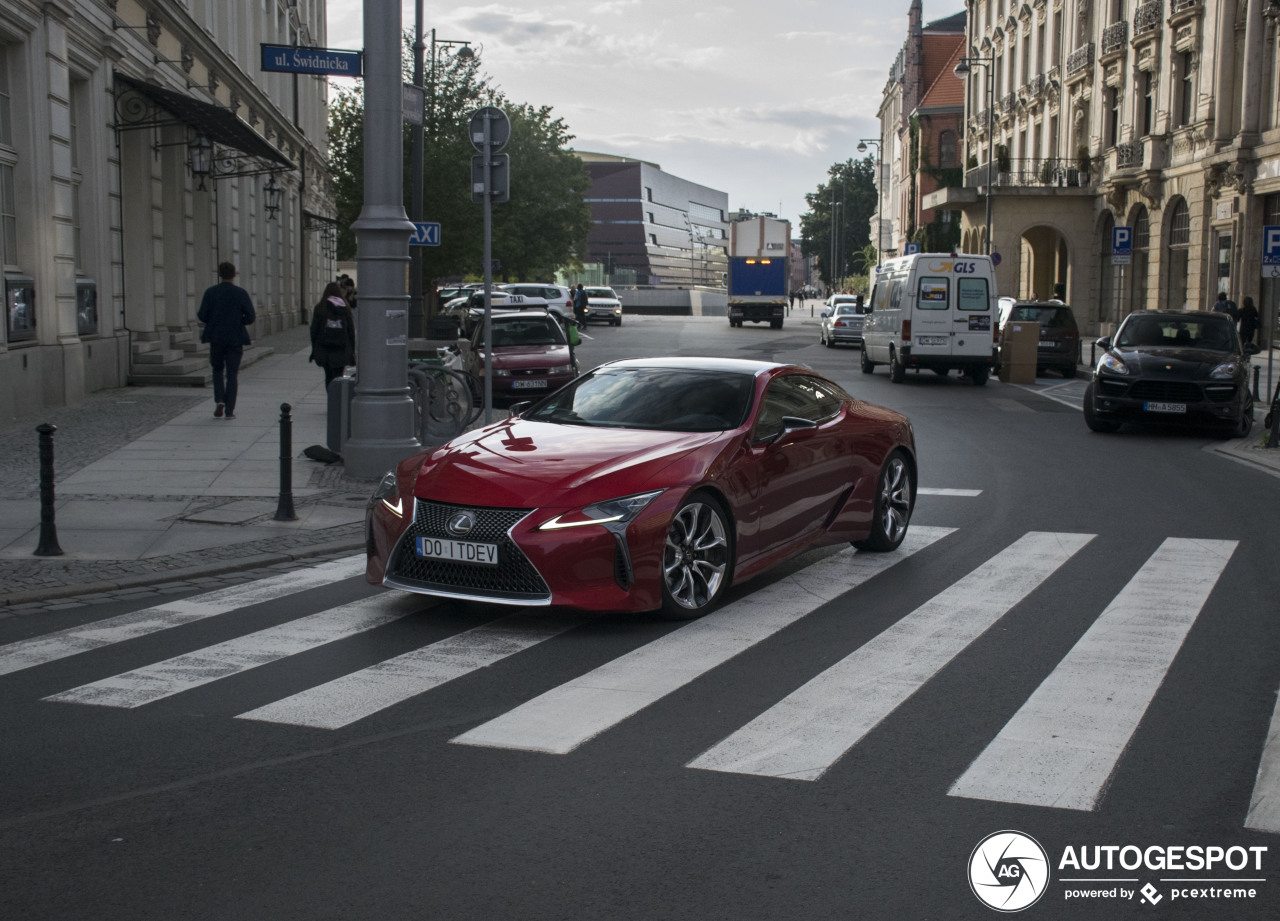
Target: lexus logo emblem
<point>461,523</point>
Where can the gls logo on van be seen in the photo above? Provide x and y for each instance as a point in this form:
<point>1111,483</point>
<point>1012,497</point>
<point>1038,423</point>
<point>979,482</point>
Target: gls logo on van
<point>958,268</point>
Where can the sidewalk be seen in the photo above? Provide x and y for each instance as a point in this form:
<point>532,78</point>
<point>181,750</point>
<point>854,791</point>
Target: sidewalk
<point>151,488</point>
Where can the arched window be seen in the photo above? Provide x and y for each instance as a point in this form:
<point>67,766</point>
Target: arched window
<point>1141,247</point>
<point>947,149</point>
<point>1178,244</point>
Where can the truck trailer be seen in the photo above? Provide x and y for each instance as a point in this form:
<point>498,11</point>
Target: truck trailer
<point>759,270</point>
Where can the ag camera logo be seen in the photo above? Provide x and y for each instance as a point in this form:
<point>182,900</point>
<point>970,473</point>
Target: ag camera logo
<point>1008,871</point>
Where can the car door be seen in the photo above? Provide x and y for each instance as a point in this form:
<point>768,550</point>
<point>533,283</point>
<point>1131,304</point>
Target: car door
<point>794,475</point>
<point>931,318</point>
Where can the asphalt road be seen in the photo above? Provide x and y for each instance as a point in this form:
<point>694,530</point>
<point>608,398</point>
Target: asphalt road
<point>1080,645</point>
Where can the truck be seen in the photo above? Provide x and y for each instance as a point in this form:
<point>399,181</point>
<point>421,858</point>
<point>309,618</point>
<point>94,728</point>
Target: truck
<point>759,270</point>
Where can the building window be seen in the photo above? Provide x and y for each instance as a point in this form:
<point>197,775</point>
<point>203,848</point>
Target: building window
<point>1148,102</point>
<point>1113,117</point>
<point>947,149</point>
<point>1186,93</point>
<point>1141,246</point>
<point>1179,252</point>
<point>8,161</point>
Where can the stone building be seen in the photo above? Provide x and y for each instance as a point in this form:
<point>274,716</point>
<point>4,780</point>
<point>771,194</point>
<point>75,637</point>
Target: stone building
<point>1087,115</point>
<point>140,145</point>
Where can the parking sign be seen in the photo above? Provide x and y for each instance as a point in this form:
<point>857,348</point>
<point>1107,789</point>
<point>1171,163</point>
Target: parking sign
<point>1121,245</point>
<point>1271,245</point>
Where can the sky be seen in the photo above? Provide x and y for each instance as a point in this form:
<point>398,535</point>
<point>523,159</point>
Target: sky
<point>756,99</point>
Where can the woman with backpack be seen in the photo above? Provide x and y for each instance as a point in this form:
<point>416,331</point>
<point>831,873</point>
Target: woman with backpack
<point>333,333</point>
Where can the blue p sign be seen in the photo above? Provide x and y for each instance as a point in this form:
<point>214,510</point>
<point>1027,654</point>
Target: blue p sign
<point>1271,245</point>
<point>1121,241</point>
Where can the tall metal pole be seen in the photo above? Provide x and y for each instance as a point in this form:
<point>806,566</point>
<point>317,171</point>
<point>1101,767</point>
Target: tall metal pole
<point>382,416</point>
<point>488,270</point>
<point>416,326</point>
<point>991,148</point>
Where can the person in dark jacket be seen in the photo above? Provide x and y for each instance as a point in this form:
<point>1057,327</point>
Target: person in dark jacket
<point>1249,321</point>
<point>333,333</point>
<point>226,310</point>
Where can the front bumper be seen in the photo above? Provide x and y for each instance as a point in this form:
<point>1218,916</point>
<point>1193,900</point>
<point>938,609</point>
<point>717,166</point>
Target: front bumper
<point>1168,401</point>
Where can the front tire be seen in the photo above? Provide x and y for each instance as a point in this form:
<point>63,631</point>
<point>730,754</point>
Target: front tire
<point>893,505</point>
<point>868,366</point>
<point>697,559</point>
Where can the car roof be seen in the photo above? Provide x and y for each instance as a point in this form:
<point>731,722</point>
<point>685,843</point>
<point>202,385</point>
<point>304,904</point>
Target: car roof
<point>1181,314</point>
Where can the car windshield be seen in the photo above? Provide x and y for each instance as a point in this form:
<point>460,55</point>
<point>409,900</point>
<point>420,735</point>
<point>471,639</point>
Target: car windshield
<point>1047,317</point>
<point>843,310</point>
<point>526,331</point>
<point>1211,333</point>
<point>663,399</point>
<point>600,292</point>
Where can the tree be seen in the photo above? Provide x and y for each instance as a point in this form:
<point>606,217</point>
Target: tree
<point>543,227</point>
<point>852,185</point>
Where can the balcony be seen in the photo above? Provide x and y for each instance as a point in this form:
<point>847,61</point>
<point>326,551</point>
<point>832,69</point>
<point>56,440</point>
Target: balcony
<point>1114,38</point>
<point>1183,6</point>
<point>1033,173</point>
<point>1080,60</point>
<point>1129,156</point>
<point>1148,17</point>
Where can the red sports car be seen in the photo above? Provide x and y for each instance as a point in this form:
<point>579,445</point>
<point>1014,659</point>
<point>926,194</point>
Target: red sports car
<point>646,484</point>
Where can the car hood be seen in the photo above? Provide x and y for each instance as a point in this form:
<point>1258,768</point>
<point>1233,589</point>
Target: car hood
<point>1160,362</point>
<point>604,301</point>
<point>523,464</point>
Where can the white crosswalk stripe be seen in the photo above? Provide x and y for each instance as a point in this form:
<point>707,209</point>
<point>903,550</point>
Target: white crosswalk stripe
<point>1062,746</point>
<point>1264,805</point>
<point>182,673</point>
<point>560,720</point>
<point>352,697</point>
<point>809,730</point>
<point>72,641</point>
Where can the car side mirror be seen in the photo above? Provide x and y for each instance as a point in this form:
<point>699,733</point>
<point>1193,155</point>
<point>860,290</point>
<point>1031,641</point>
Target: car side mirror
<point>793,429</point>
<point>826,313</point>
<point>1104,343</point>
<point>518,408</point>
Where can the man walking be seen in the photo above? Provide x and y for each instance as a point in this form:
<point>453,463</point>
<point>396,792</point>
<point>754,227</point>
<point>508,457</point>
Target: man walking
<point>225,311</point>
<point>580,305</point>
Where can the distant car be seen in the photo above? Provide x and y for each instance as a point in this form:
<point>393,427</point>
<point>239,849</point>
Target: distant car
<point>531,355</point>
<point>1185,368</point>
<point>1059,335</point>
<point>650,484</point>
<point>842,320</point>
<point>603,304</point>
<point>558,296</point>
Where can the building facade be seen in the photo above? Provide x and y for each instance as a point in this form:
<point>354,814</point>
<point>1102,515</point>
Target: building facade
<point>140,145</point>
<point>921,126</point>
<point>653,229</point>
<point>1162,117</point>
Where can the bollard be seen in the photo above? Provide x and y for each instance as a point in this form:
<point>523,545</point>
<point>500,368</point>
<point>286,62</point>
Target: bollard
<point>284,508</point>
<point>1257,371</point>
<point>48,528</point>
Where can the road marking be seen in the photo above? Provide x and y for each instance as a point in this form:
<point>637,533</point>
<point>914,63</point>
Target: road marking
<point>1062,746</point>
<point>804,734</point>
<point>182,673</point>
<point>1264,806</point>
<point>360,694</point>
<point>560,720</point>
<point>53,646</point>
<point>934,491</point>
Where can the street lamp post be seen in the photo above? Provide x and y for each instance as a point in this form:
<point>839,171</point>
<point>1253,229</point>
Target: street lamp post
<point>417,317</point>
<point>962,71</point>
<point>834,205</point>
<point>862,148</point>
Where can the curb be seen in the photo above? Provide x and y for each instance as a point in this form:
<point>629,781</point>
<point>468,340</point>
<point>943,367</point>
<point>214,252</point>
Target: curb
<point>257,561</point>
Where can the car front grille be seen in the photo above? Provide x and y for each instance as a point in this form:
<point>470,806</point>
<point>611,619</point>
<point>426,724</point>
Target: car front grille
<point>513,579</point>
<point>1167,391</point>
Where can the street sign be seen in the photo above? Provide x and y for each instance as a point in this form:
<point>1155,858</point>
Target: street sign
<point>995,258</point>
<point>499,178</point>
<point>411,103</point>
<point>911,249</point>
<point>425,233</point>
<point>1121,245</point>
<point>1271,245</point>
<point>499,128</point>
<point>294,59</point>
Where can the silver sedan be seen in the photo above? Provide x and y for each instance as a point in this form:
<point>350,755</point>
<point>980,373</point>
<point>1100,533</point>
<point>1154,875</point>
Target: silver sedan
<point>842,323</point>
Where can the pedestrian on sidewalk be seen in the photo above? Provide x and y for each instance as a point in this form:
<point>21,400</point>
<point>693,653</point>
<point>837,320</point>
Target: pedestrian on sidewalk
<point>580,302</point>
<point>333,333</point>
<point>1249,321</point>
<point>1225,305</point>
<point>226,310</point>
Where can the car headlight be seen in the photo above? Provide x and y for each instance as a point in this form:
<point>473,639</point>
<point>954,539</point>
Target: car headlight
<point>561,369</point>
<point>1109,362</point>
<point>388,493</point>
<point>1225,371</point>
<point>607,512</point>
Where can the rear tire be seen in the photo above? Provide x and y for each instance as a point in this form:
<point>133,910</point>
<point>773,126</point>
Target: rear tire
<point>868,366</point>
<point>1105,426</point>
<point>697,560</point>
<point>897,371</point>
<point>776,324</point>
<point>980,375</point>
<point>893,505</point>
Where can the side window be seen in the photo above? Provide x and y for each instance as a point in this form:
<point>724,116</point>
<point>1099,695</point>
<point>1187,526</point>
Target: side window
<point>880,296</point>
<point>796,395</point>
<point>895,295</point>
<point>971,294</point>
<point>933,294</point>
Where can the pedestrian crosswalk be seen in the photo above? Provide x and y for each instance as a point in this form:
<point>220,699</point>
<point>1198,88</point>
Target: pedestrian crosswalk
<point>1059,750</point>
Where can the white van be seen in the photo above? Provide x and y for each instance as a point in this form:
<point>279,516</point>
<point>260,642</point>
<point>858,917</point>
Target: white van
<point>935,311</point>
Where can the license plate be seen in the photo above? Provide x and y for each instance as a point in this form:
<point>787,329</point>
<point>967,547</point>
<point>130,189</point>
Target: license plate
<point>528,385</point>
<point>931,340</point>
<point>1046,344</point>
<point>461,551</point>
<point>1165,407</point>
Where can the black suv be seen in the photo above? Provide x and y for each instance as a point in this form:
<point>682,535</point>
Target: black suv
<point>1059,335</point>
<point>1171,367</point>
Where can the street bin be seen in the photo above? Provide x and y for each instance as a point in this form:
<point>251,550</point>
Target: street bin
<point>341,390</point>
<point>1019,351</point>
